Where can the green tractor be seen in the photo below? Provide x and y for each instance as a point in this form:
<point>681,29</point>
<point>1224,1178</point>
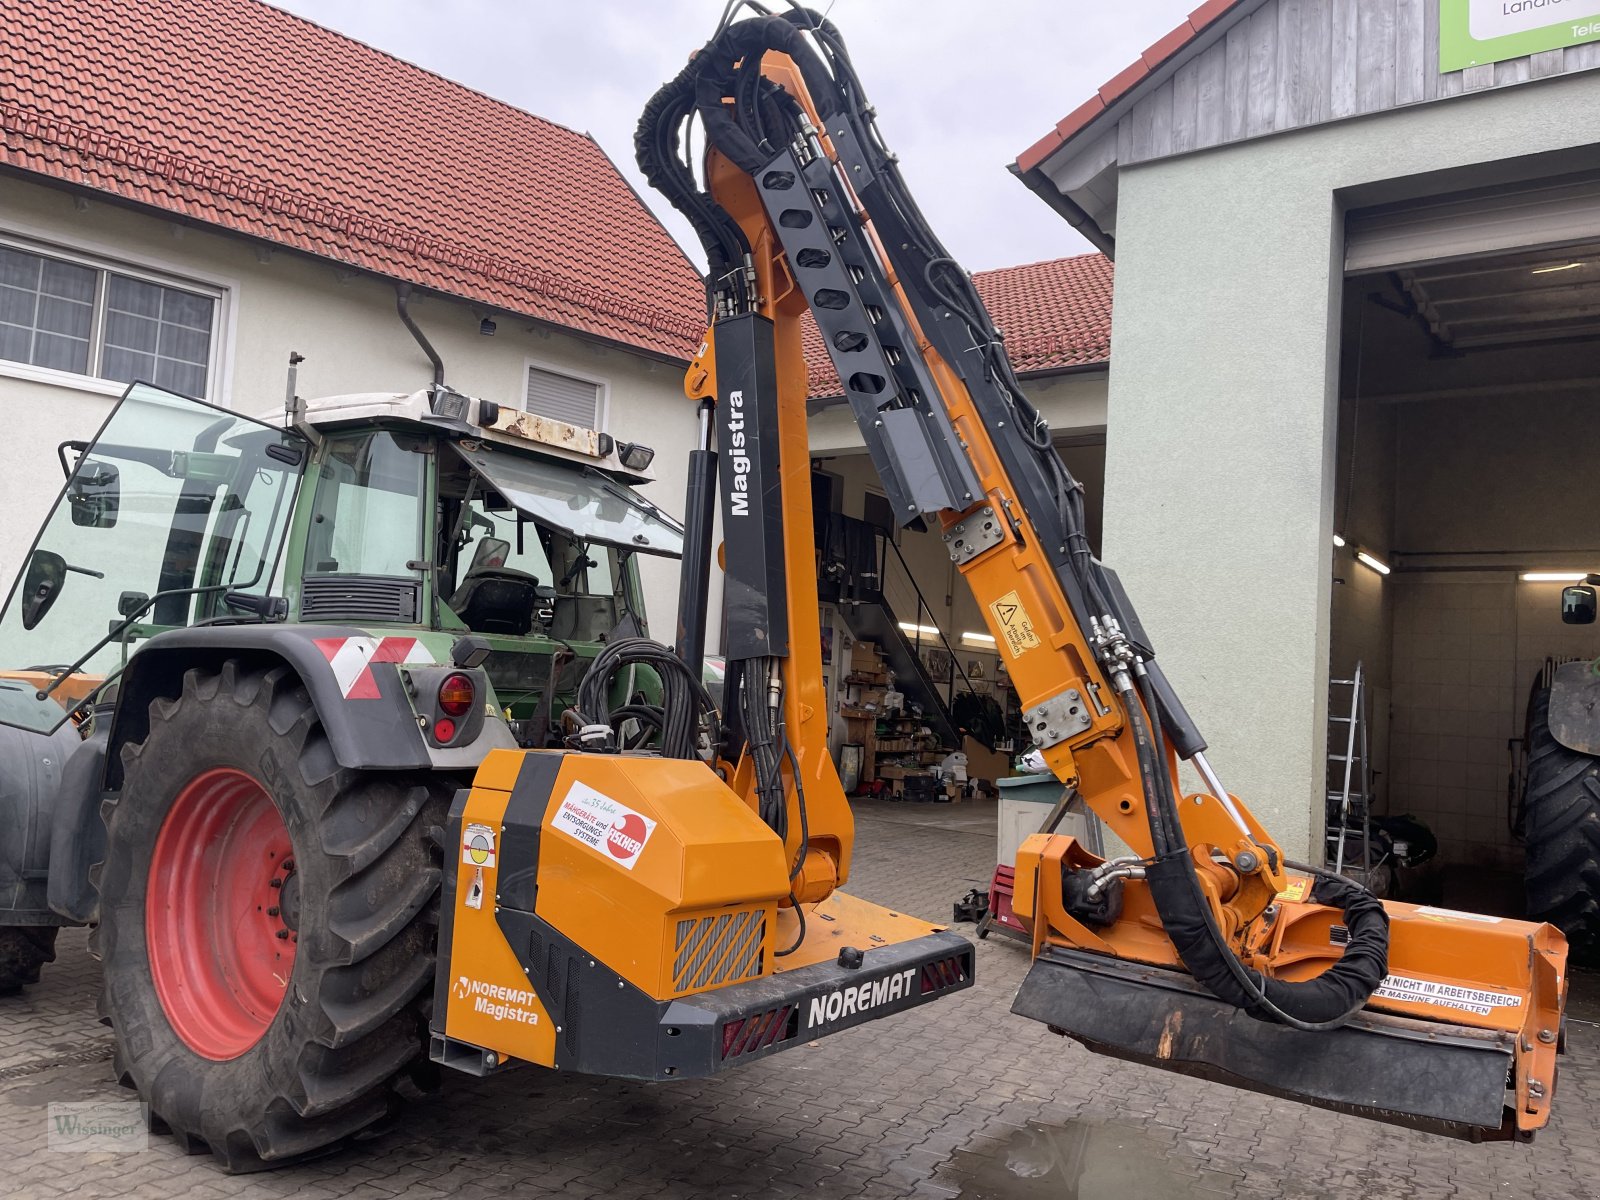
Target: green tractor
<point>233,636</point>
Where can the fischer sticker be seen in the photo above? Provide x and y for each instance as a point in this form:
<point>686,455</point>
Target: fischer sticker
<point>603,824</point>
<point>1451,914</point>
<point>845,1002</point>
<point>352,658</point>
<point>1445,995</point>
<point>1016,626</point>
<point>496,1002</point>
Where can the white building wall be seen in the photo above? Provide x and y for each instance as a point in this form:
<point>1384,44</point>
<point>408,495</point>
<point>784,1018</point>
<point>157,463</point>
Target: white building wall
<point>1219,505</point>
<point>345,324</point>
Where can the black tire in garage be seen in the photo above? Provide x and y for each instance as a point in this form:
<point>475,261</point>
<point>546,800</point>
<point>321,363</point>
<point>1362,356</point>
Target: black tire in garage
<point>23,950</point>
<point>1562,833</point>
<point>268,924</point>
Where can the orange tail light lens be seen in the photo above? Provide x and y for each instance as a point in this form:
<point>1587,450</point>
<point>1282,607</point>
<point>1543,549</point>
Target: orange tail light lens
<point>457,695</point>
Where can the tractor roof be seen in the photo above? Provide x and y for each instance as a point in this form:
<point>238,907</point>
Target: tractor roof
<point>506,427</point>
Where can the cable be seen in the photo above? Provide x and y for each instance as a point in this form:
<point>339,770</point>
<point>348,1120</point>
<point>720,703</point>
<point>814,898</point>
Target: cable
<point>685,703</point>
<point>799,937</point>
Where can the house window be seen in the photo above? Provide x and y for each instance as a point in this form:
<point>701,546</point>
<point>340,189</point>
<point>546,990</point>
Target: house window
<point>87,319</point>
<point>564,398</point>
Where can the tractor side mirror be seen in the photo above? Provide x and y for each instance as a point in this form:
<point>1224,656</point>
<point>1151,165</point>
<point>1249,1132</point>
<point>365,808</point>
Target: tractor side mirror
<point>1578,604</point>
<point>47,571</point>
<point>95,495</point>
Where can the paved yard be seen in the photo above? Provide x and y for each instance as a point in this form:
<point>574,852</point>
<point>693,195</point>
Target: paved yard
<point>957,1099</point>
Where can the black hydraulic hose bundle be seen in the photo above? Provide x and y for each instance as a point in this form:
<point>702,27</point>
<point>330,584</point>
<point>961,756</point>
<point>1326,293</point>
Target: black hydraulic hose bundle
<point>684,699</point>
<point>1324,1002</point>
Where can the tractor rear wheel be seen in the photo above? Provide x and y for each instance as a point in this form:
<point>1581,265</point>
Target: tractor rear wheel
<point>1562,833</point>
<point>268,924</point>
<point>23,950</point>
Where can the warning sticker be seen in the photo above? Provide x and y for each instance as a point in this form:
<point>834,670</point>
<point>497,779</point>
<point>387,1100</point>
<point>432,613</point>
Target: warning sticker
<point>1445,995</point>
<point>1016,626</point>
<point>1451,914</point>
<point>603,824</point>
<point>1296,890</point>
<point>477,846</point>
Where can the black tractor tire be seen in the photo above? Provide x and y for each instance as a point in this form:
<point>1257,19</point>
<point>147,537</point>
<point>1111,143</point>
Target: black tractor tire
<point>23,950</point>
<point>345,1045</point>
<point>1562,834</point>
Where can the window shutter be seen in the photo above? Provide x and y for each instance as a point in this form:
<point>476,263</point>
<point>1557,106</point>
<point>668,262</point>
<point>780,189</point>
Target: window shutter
<point>563,398</point>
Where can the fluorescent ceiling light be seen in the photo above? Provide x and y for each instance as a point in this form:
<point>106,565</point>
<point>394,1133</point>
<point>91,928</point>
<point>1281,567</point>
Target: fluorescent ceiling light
<point>1337,540</point>
<point>930,630</point>
<point>1554,576</point>
<point>1378,565</point>
<point>1572,266</point>
<point>985,638</point>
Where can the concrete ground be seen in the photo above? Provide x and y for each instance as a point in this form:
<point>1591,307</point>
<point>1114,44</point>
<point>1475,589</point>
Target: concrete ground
<point>959,1098</point>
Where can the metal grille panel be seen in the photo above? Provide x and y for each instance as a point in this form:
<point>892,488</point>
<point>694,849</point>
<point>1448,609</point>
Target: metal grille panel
<point>719,949</point>
<point>358,598</point>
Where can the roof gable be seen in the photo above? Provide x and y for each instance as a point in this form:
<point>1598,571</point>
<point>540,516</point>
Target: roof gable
<point>1244,69</point>
<point>241,115</point>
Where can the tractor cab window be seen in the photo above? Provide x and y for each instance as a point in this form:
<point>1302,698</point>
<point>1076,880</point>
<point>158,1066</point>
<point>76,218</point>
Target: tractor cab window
<point>545,546</point>
<point>367,528</point>
<point>175,514</point>
<point>367,516</point>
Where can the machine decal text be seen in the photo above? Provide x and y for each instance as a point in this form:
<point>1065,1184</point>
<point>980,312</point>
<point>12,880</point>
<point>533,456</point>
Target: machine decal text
<point>1445,995</point>
<point>497,1002</point>
<point>844,1002</point>
<point>1014,623</point>
<point>603,824</point>
<point>738,457</point>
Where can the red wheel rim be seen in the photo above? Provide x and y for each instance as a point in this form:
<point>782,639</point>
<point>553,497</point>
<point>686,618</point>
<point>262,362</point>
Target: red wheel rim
<point>219,913</point>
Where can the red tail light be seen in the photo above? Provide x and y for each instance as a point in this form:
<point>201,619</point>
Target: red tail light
<point>457,695</point>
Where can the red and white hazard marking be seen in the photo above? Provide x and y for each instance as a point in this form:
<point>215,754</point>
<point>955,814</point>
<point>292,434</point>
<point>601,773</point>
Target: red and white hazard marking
<point>352,658</point>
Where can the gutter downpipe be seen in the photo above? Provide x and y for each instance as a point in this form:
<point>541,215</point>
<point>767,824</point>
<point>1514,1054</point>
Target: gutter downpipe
<point>402,304</point>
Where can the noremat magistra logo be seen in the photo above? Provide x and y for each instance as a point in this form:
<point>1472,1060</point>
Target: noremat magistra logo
<point>738,457</point>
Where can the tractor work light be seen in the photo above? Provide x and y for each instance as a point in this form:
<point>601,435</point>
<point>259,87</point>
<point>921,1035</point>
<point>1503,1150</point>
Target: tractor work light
<point>456,695</point>
<point>635,457</point>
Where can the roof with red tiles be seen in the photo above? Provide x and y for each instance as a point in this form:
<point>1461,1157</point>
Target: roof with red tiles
<point>1159,53</point>
<point>1055,315</point>
<point>243,116</point>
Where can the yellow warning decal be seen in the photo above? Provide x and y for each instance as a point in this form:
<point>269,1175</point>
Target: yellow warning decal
<point>1297,889</point>
<point>1016,626</point>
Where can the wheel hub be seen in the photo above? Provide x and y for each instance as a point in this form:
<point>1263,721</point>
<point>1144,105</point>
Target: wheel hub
<point>221,913</point>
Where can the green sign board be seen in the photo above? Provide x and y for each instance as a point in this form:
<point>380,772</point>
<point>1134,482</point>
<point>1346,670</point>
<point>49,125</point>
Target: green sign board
<point>1473,32</point>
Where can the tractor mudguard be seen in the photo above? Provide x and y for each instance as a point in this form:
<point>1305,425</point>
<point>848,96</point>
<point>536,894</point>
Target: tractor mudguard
<point>77,834</point>
<point>353,678</point>
<point>1575,707</point>
<point>31,769</point>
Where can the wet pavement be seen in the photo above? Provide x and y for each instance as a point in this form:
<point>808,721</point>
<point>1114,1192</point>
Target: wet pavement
<point>956,1099</point>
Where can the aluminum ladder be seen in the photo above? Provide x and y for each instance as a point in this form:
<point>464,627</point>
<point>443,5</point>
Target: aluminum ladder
<point>1350,804</point>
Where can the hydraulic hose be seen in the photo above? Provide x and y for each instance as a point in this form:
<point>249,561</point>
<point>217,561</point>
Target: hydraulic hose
<point>1325,1002</point>
<point>684,699</point>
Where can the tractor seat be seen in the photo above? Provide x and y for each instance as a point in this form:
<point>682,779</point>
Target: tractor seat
<point>497,600</point>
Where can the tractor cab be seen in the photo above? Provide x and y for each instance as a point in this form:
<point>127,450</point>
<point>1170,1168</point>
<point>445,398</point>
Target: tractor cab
<point>425,516</point>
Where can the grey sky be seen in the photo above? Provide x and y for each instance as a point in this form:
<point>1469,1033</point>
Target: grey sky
<point>961,88</point>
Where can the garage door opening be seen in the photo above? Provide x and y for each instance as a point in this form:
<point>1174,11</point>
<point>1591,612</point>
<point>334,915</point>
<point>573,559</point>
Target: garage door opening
<point>1469,429</point>
<point>904,635</point>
